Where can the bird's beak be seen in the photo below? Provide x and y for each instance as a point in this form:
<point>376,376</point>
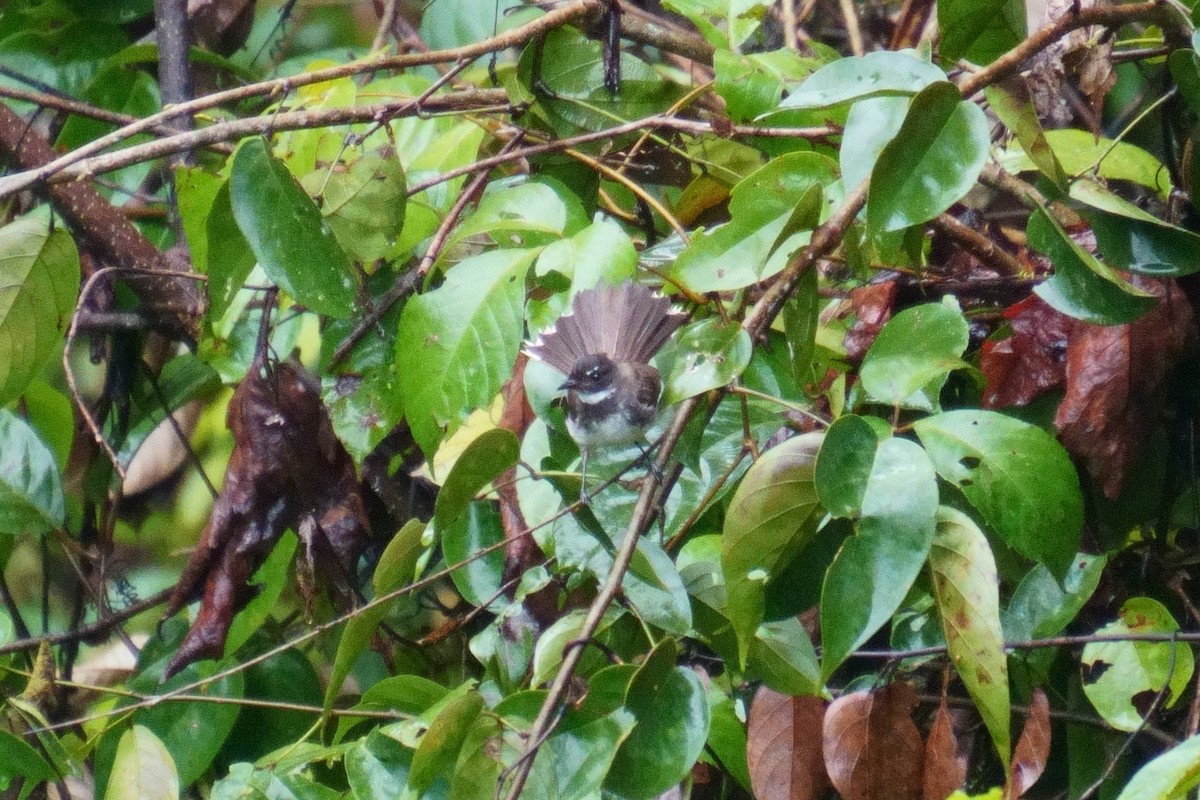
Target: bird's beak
<point>567,384</point>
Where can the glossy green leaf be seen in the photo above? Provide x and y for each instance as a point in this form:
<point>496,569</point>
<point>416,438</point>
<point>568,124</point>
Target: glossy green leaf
<point>523,215</point>
<point>727,736</point>
<point>396,568</point>
<point>31,491</point>
<point>270,578</point>
<point>228,258</point>
<point>195,192</point>
<point>913,354</point>
<point>1010,101</point>
<point>483,460</point>
<point>480,759</point>
<point>931,163</point>
<point>184,378</point>
<point>18,759</point>
<point>1169,776</point>
<point>553,642</point>
<point>571,67</point>
<point>452,150</point>
<point>39,281</point>
<point>782,657</point>
<point>705,355</point>
<point>979,30</point>
<point>967,591</point>
<point>870,125</point>
<point>671,711</point>
<point>287,234</point>
<point>377,766</point>
<point>875,568</point>
<point>479,580</point>
<point>1130,238</point>
<point>1122,678</point>
<point>1080,152</point>
<point>583,755</point>
<point>143,769</point>
<point>771,518</point>
<point>176,724</point>
<point>763,205</point>
<point>457,344</point>
<point>1017,476</point>
<point>801,314</point>
<point>440,744</point>
<point>875,74</point>
<point>1041,606</point>
<point>1082,287</point>
<point>286,678</point>
<point>407,694</point>
<point>1185,69</point>
<point>362,197</point>
<point>844,465</point>
<point>748,89</point>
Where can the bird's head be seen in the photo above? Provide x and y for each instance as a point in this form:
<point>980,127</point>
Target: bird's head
<point>592,378</point>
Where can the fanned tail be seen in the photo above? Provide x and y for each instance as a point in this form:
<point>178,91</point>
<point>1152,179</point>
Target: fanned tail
<point>628,323</point>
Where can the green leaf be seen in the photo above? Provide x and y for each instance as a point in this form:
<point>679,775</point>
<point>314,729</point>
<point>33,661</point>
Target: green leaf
<point>290,239</point>
<point>362,199</point>
<point>523,215</point>
<point>270,578</point>
<point>1017,476</point>
<point>931,163</point>
<point>1041,607</point>
<point>176,724</point>
<point>600,253</point>
<point>1011,102</point>
<point>1080,152</point>
<point>748,89</point>
<point>229,259</point>
<point>18,759</point>
<point>1185,69</point>
<point>800,316</point>
<point>870,125</point>
<point>875,568</point>
<point>553,642</point>
<point>1081,286</point>
<point>182,379</point>
<point>479,580</point>
<point>483,460</point>
<point>143,769</point>
<point>571,66</point>
<point>705,355</point>
<point>771,518</point>
<point>1133,239</point>
<point>439,746</point>
<point>876,74</point>
<point>979,30</point>
<point>480,757</point>
<point>284,678</point>
<point>396,568</point>
<point>727,736</point>
<point>909,360</point>
<point>1121,678</point>
<point>583,755</point>
<point>1168,776</point>
<point>967,591</point>
<point>782,656</point>
<point>31,492</point>
<point>39,281</point>
<point>457,344</point>
<point>763,205</point>
<point>377,766</point>
<point>844,465</point>
<point>671,711</point>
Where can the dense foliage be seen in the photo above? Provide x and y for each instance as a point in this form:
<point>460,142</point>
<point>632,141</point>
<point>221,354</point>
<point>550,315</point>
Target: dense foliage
<point>286,512</point>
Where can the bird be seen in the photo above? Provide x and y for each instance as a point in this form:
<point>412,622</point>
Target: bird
<point>603,346</point>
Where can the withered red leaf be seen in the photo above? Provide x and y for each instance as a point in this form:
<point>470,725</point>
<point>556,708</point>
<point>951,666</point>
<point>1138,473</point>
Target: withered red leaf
<point>783,746</point>
<point>872,306</point>
<point>286,467</point>
<point>1115,382</point>
<point>1033,748</point>
<point>873,750</point>
<point>945,762</point>
<point>1032,360</point>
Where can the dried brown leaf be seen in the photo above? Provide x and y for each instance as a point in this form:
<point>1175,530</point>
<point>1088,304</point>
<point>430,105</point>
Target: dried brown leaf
<point>1115,382</point>
<point>873,750</point>
<point>1033,748</point>
<point>945,762</point>
<point>1031,361</point>
<point>783,747</point>
<point>872,305</point>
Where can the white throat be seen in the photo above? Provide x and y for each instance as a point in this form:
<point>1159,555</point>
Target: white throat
<point>591,398</point>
